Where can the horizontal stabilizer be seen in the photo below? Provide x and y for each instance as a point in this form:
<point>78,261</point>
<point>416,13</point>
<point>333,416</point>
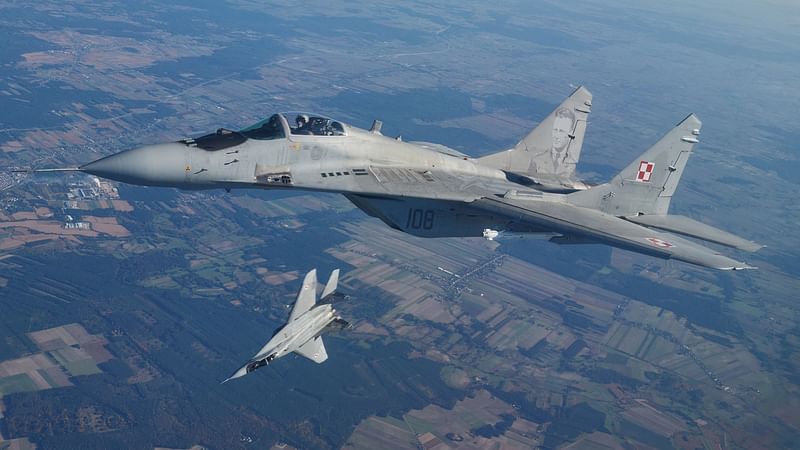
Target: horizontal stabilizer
<point>594,225</point>
<point>692,228</point>
<point>314,350</point>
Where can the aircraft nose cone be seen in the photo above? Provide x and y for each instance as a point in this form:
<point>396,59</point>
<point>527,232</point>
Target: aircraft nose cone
<point>238,374</point>
<point>152,165</point>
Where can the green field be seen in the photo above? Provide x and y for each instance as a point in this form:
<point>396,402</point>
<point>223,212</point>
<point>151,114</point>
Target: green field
<point>16,383</point>
<point>83,367</point>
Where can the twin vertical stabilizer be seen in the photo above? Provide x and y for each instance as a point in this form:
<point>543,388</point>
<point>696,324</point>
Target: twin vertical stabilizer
<point>302,332</point>
<point>548,154</point>
<point>646,186</point>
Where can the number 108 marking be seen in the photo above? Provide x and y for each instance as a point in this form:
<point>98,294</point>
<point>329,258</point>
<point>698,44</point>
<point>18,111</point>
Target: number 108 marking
<point>420,218</point>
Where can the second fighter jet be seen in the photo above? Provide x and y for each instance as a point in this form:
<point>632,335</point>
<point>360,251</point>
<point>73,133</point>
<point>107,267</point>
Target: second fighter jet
<point>302,334</point>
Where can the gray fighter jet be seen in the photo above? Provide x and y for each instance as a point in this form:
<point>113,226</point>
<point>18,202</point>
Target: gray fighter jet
<point>302,333</point>
<point>430,190</point>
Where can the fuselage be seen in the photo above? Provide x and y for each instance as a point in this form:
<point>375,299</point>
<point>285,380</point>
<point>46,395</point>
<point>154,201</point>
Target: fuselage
<point>322,163</point>
<point>430,191</point>
<point>377,173</point>
<point>297,332</point>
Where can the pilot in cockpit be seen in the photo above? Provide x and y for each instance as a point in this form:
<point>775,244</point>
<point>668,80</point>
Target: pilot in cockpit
<point>303,125</point>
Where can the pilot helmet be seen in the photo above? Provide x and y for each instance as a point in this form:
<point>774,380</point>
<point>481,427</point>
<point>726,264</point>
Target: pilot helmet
<point>301,119</point>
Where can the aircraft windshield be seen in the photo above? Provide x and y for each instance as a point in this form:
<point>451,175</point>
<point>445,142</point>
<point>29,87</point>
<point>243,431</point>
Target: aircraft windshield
<point>308,124</point>
<point>266,129</point>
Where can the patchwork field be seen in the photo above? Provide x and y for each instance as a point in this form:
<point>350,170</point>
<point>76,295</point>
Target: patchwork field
<point>66,351</point>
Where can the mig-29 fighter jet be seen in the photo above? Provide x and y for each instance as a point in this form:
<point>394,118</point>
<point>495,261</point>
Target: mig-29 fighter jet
<point>302,334</point>
<point>430,190</point>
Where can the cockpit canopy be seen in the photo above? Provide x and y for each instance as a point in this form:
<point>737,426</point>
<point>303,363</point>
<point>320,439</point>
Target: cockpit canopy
<point>295,123</point>
<point>266,129</point>
<point>308,124</point>
<point>275,127</point>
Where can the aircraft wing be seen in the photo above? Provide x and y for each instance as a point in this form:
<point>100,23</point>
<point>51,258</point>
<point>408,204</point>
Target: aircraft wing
<point>582,224</point>
<point>692,228</point>
<point>306,297</point>
<point>596,226</point>
<point>313,349</point>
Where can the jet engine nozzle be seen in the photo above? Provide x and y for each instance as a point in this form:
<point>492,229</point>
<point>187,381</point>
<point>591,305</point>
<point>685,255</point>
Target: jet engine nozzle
<point>335,298</point>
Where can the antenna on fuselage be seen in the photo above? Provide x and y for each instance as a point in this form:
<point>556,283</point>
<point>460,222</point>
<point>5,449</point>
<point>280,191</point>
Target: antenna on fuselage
<point>376,127</point>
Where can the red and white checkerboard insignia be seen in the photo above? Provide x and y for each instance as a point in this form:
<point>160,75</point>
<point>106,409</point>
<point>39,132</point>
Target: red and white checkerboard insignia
<point>659,243</point>
<point>645,171</point>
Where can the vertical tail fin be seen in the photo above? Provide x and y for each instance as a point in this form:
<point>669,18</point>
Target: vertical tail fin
<point>647,184</point>
<point>330,287</point>
<point>307,297</point>
<point>552,149</point>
